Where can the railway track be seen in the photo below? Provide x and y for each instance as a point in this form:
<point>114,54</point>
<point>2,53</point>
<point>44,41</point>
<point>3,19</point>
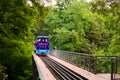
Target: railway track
<point>63,72</point>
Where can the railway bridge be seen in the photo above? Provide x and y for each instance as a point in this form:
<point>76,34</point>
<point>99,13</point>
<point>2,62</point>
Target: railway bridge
<point>66,65</point>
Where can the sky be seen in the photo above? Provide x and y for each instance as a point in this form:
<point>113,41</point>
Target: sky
<point>48,3</point>
<point>54,1</point>
<point>88,0</point>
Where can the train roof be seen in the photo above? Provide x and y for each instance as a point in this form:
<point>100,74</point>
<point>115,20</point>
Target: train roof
<point>42,37</point>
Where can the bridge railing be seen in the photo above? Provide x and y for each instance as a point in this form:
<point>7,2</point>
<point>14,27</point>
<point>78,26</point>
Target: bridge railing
<point>95,64</point>
<point>115,68</point>
<point>84,61</point>
<point>35,70</point>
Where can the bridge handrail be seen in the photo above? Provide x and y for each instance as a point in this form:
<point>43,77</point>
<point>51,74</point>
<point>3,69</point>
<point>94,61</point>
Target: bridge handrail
<point>89,62</point>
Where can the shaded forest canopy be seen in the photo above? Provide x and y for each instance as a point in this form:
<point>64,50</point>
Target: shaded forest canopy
<point>19,22</point>
<point>73,25</point>
<point>80,26</point>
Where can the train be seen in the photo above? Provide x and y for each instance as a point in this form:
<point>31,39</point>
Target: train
<point>42,45</point>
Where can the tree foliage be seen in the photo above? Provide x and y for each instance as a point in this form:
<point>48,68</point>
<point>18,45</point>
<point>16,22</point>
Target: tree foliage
<point>3,76</point>
<point>76,28</point>
<point>110,9</point>
<point>18,22</point>
<point>94,26</point>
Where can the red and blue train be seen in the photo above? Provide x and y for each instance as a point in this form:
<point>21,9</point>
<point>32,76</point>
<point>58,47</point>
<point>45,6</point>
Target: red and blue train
<point>42,45</point>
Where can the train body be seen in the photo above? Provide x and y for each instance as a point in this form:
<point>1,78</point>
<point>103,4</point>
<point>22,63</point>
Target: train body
<point>42,45</point>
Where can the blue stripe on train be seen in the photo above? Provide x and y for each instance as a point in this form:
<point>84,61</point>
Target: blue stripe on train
<point>42,51</point>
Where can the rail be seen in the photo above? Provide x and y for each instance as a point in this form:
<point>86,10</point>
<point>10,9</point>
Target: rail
<point>42,71</point>
<point>62,71</point>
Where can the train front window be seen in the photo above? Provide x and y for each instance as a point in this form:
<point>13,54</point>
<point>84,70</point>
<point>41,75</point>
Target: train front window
<point>46,40</point>
<point>38,40</point>
<point>43,40</point>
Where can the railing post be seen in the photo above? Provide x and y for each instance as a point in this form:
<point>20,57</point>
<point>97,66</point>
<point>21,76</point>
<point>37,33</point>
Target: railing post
<point>95,65</point>
<point>89,63</point>
<point>112,64</point>
<point>116,65</point>
<point>69,56</point>
<point>84,62</point>
<point>80,60</point>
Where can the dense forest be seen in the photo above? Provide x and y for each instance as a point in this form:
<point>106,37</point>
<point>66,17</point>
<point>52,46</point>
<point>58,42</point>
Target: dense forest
<point>74,25</point>
<point>91,28</point>
<point>19,22</point>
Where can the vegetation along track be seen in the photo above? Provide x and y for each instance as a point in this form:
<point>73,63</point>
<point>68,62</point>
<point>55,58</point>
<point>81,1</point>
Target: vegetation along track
<point>63,72</point>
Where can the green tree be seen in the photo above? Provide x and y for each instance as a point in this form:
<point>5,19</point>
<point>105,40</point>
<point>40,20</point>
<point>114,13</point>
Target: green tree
<point>110,11</point>
<point>18,22</point>
<point>114,47</point>
<point>3,76</point>
<point>76,28</point>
